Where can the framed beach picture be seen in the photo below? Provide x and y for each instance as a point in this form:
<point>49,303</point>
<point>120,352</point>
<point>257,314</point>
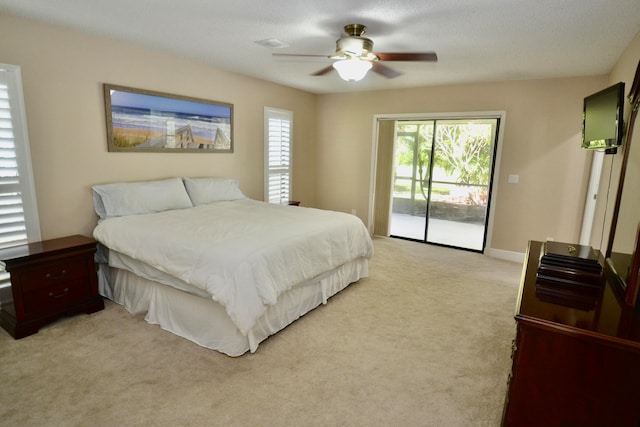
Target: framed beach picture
<point>146,121</point>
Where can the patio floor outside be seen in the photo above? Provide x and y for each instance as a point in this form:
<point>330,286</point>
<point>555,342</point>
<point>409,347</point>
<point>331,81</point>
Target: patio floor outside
<point>451,233</point>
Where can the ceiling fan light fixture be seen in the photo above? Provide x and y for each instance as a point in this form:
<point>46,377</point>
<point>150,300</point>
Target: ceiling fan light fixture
<point>352,70</point>
<point>354,57</point>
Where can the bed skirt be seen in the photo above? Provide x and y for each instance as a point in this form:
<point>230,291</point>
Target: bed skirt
<point>205,322</point>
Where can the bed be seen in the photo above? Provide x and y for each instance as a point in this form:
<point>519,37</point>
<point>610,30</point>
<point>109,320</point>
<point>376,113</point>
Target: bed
<point>206,263</point>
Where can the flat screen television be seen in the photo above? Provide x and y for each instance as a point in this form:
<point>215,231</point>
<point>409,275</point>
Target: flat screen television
<point>602,119</point>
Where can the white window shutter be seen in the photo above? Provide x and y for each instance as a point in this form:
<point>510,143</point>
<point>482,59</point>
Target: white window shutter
<point>278,144</point>
<point>18,211</point>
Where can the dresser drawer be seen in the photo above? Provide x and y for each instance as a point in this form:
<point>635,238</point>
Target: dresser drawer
<point>54,298</point>
<point>53,273</point>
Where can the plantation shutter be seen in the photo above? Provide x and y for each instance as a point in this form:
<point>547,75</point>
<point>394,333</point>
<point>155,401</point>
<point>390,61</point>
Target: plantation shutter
<point>18,211</point>
<point>278,125</point>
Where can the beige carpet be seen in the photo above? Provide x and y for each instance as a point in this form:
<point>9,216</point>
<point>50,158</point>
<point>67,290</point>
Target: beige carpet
<point>424,341</point>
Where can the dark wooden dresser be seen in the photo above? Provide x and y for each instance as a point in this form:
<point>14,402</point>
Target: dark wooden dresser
<point>49,279</point>
<point>573,364</point>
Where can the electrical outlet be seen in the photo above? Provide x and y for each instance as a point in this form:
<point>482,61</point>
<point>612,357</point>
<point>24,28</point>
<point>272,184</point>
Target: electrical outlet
<point>353,212</point>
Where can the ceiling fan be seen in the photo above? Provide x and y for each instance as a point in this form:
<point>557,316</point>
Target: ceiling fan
<point>355,57</point>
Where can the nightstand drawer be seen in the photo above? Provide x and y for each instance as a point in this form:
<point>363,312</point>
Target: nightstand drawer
<point>51,274</point>
<point>52,298</point>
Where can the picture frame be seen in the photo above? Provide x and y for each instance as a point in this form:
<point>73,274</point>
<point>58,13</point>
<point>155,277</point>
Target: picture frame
<point>141,120</point>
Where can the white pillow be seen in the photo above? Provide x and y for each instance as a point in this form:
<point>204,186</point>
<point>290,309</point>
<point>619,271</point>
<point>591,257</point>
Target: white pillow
<point>208,190</point>
<point>136,198</point>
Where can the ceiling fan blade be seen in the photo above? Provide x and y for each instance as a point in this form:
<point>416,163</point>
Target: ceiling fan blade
<point>324,71</point>
<point>423,56</point>
<point>292,55</point>
<point>383,70</point>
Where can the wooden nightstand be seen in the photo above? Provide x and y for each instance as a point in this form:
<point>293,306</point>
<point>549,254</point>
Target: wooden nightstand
<point>49,279</point>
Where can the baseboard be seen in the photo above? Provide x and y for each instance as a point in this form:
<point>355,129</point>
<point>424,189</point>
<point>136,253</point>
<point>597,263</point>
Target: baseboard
<point>505,255</point>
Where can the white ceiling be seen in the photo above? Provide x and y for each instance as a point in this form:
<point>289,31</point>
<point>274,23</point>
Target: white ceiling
<point>476,40</point>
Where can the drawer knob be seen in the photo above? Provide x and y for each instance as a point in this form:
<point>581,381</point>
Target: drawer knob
<point>61,295</point>
<point>57,276</point>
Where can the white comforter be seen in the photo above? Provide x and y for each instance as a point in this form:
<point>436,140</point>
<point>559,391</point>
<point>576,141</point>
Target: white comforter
<point>243,253</point>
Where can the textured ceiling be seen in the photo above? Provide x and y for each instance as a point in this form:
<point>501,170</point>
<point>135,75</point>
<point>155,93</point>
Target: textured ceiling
<point>476,40</point>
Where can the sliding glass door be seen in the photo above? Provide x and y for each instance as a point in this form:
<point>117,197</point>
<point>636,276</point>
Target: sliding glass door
<point>441,180</point>
<point>411,178</point>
